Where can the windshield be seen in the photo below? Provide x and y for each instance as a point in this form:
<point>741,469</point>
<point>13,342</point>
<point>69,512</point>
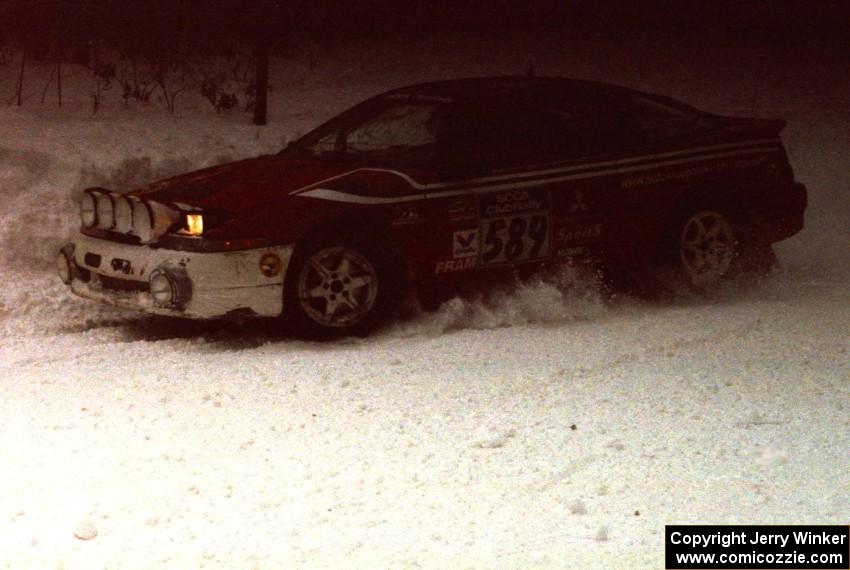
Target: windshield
<point>401,130</point>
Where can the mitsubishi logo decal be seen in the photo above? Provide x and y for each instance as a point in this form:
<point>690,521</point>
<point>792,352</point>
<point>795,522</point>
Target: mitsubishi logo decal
<point>579,205</point>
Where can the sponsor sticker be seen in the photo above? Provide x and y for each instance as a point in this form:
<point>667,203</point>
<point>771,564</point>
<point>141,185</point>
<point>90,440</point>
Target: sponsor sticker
<point>514,226</point>
<point>577,251</point>
<point>270,265</point>
<point>692,172</point>
<point>462,210</point>
<point>579,206</point>
<point>579,231</point>
<point>454,265</point>
<point>406,216</point>
<point>465,243</point>
<point>122,265</point>
<point>514,202</point>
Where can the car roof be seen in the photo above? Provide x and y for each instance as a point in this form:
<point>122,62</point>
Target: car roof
<point>506,87</point>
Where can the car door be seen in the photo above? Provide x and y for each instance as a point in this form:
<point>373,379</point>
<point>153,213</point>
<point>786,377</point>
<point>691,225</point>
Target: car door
<point>534,181</point>
<point>496,214</point>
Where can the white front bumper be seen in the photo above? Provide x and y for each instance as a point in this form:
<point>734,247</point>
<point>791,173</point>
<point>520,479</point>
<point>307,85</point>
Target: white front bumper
<point>222,283</point>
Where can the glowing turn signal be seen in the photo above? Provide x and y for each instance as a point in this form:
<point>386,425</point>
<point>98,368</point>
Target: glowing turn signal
<point>194,224</point>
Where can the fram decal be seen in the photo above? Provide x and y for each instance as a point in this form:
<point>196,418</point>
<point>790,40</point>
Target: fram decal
<point>453,265</point>
<point>465,243</point>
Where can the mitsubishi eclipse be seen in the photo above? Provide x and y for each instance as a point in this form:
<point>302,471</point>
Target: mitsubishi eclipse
<point>428,188</point>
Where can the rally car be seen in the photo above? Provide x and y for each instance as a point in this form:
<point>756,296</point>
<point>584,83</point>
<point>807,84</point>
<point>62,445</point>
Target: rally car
<point>430,187</point>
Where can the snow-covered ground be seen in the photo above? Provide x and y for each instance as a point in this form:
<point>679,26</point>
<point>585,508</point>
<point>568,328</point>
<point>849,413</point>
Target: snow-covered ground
<point>545,428</point>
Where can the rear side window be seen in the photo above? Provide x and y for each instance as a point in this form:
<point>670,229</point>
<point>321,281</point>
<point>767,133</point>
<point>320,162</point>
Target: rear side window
<point>658,121</point>
<point>503,136</point>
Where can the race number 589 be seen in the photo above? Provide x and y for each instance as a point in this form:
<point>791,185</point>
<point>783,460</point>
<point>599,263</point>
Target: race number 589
<point>516,238</point>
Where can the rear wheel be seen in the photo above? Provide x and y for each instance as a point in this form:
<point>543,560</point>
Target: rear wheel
<point>706,249</point>
<point>335,290</point>
<point>697,254</point>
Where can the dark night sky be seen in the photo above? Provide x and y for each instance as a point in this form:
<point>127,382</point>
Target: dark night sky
<point>342,21</point>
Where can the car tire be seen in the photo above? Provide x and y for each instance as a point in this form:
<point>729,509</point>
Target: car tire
<point>337,288</point>
<point>699,252</point>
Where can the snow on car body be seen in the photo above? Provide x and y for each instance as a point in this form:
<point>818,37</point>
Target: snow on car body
<point>434,185</point>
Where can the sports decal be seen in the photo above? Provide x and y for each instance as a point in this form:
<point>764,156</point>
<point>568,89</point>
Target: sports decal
<point>514,225</point>
<point>454,265</point>
<point>579,231</point>
<point>465,243</point>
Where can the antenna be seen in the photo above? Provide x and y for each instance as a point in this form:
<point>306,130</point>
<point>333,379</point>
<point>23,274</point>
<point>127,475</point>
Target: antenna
<point>529,69</point>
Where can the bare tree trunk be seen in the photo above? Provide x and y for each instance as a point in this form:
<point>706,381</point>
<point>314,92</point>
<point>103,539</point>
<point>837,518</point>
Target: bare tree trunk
<point>46,87</point>
<point>21,77</point>
<point>59,79</point>
<point>261,84</point>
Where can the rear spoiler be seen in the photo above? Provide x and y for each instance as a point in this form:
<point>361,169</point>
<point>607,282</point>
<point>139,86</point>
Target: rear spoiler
<point>759,127</point>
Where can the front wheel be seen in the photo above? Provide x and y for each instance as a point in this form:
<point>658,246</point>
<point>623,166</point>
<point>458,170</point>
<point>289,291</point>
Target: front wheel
<point>336,290</point>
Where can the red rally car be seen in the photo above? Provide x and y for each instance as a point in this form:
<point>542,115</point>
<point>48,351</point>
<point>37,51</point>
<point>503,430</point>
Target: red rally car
<point>428,187</point>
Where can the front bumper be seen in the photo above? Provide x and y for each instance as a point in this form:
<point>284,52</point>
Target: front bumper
<point>246,282</point>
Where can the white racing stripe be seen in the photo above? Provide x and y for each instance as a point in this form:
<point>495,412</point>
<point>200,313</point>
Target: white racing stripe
<point>772,143</point>
<point>509,182</point>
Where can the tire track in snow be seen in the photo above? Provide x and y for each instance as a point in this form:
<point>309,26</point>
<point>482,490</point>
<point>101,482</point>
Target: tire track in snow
<point>666,349</point>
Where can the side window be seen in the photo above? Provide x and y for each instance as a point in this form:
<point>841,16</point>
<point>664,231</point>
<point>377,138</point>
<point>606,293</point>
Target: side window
<point>493,137</point>
<point>397,126</point>
<point>395,132</point>
<point>656,121</point>
<point>500,137</point>
<point>585,130</point>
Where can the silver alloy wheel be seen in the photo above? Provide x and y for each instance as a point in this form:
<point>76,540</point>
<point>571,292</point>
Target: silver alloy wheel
<point>706,248</point>
<point>337,287</point>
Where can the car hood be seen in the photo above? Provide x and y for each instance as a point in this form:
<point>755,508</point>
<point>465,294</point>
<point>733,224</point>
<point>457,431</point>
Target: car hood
<point>242,186</point>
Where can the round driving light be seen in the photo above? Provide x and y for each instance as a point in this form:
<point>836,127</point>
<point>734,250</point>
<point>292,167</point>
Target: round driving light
<point>162,289</point>
<point>142,220</point>
<point>270,265</point>
<point>63,267</point>
<point>123,215</point>
<point>88,210</point>
<point>105,212</point>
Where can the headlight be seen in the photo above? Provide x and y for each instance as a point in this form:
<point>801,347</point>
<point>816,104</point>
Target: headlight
<point>105,208</point>
<point>194,224</point>
<point>162,289</point>
<point>142,220</point>
<point>123,215</point>
<point>88,211</point>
